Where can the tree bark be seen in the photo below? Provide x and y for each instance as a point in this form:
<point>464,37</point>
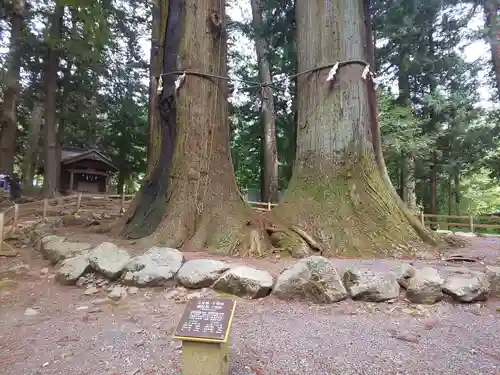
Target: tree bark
<point>32,143</point>
<point>408,181</point>
<point>270,188</point>
<point>190,200</point>
<point>154,74</point>
<point>8,125</point>
<point>50,129</point>
<point>491,9</point>
<point>338,193</point>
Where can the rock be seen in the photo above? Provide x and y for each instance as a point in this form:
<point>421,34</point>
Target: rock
<point>425,286</point>
<point>72,220</point>
<point>58,249</point>
<point>71,269</point>
<point>133,290</point>
<point>90,291</point>
<point>96,216</point>
<point>109,259</point>
<point>117,293</point>
<point>30,312</point>
<point>314,279</point>
<point>366,285</point>
<point>493,273</point>
<point>404,272</point>
<point>467,285</point>
<point>201,273</point>
<point>245,281</point>
<point>155,267</point>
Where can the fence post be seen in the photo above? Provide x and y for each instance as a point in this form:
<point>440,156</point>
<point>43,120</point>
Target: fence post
<point>268,205</point>
<point>45,208</point>
<point>78,202</point>
<point>16,214</point>
<point>471,224</point>
<point>122,203</point>
<point>422,218</point>
<point>1,229</point>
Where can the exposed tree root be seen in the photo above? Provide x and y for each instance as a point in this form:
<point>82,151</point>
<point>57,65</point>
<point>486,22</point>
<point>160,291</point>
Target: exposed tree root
<point>226,228</point>
<point>350,213</point>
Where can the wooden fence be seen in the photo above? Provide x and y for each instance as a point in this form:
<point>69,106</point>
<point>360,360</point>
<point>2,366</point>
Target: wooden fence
<point>73,203</point>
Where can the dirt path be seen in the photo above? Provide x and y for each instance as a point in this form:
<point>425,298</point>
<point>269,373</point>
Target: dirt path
<point>75,334</point>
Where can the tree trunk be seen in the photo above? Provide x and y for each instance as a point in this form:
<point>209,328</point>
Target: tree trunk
<point>154,75</point>
<point>457,192</point>
<point>50,129</point>
<point>433,189</point>
<point>190,199</point>
<point>32,143</point>
<point>121,182</point>
<point>8,125</point>
<point>338,194</point>
<point>408,161</point>
<point>270,191</point>
<point>491,8</point>
<point>408,181</point>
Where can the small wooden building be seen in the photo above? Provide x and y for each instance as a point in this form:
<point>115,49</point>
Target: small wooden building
<point>84,170</point>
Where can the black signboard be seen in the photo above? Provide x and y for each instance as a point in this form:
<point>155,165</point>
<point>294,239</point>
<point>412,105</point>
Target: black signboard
<point>206,320</point>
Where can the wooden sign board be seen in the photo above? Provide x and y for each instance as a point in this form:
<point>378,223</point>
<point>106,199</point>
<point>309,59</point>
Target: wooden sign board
<point>206,320</point>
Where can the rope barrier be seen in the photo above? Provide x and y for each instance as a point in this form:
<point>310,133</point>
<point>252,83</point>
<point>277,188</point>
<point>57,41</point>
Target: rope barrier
<point>367,72</point>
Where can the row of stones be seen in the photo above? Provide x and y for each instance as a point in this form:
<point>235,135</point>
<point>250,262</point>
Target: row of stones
<point>314,278</point>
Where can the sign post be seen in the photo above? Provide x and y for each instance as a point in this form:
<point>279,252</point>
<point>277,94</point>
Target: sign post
<point>204,330</point>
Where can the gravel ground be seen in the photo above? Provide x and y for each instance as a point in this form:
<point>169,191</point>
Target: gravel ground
<point>74,334</point>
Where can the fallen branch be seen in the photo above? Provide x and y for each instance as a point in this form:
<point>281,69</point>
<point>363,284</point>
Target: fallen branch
<point>301,233</point>
<point>307,238</point>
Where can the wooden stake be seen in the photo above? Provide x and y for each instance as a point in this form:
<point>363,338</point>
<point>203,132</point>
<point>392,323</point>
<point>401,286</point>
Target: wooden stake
<point>269,206</point>
<point>78,202</point>
<point>471,224</point>
<point>422,218</point>
<point>45,208</point>
<point>16,214</point>
<point>1,229</point>
<point>122,205</point>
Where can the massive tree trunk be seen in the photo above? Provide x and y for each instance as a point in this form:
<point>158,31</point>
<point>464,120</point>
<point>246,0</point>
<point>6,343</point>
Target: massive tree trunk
<point>491,9</point>
<point>32,143</point>
<point>270,189</point>
<point>339,200</point>
<point>8,126</point>
<point>50,163</point>
<point>190,199</point>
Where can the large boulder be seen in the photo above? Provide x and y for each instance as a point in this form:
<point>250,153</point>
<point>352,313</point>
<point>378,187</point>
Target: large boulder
<point>365,284</point>
<point>201,273</point>
<point>245,281</point>
<point>56,248</point>
<point>154,268</point>
<point>403,272</point>
<point>424,287</point>
<point>493,272</point>
<point>313,279</point>
<point>109,259</point>
<point>467,285</point>
<point>71,269</point>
